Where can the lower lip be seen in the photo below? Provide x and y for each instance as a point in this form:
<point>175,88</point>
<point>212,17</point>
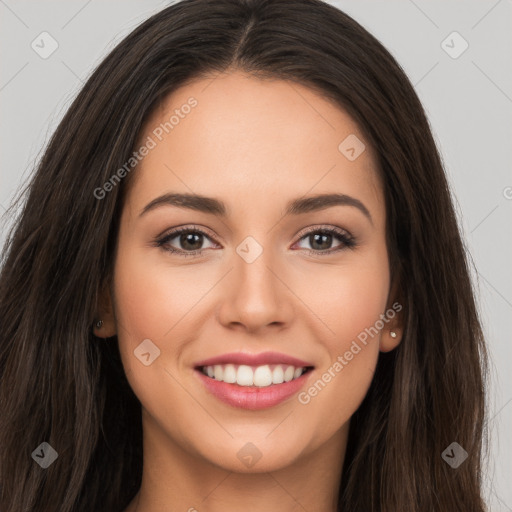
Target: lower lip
<point>253,397</point>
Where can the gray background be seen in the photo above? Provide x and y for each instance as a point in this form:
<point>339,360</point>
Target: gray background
<point>468,100</point>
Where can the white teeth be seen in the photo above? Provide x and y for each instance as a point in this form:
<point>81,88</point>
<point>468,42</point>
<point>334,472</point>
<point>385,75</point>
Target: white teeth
<point>229,374</point>
<point>278,375</point>
<point>244,376</point>
<point>218,372</point>
<point>261,376</point>
<point>289,373</point>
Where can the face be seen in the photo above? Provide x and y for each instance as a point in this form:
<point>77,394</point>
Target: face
<point>263,276</point>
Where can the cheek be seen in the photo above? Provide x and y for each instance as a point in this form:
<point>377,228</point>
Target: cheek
<point>350,302</point>
<point>157,302</point>
<point>348,299</point>
<point>152,298</point>
<point>148,307</point>
<point>331,399</point>
<point>141,313</point>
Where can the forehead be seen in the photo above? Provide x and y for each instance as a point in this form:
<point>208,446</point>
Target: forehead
<point>242,138</point>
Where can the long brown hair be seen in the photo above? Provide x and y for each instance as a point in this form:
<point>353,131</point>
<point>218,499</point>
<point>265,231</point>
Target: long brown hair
<point>61,385</point>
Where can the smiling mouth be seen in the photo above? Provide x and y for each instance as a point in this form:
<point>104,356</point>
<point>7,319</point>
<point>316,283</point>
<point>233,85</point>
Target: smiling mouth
<point>258,376</point>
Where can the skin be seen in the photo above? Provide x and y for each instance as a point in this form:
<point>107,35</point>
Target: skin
<point>254,145</point>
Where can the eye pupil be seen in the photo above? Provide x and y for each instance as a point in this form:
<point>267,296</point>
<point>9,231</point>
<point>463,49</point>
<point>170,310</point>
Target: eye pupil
<point>185,241</point>
<point>319,237</point>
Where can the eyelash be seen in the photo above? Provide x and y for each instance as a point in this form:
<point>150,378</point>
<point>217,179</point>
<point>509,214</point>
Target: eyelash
<point>347,240</point>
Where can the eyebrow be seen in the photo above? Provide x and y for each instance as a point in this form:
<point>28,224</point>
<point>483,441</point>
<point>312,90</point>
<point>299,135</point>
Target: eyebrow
<point>214,206</point>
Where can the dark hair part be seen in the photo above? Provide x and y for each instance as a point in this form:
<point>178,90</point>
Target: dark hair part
<point>62,385</point>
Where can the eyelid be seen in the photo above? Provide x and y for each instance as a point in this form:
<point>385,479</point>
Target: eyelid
<point>323,227</point>
<point>188,227</point>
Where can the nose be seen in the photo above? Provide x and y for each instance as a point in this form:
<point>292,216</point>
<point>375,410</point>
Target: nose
<point>256,294</point>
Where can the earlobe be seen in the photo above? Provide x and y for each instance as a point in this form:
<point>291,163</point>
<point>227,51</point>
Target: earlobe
<point>104,325</point>
<point>391,335</point>
<point>390,339</point>
<point>103,330</point>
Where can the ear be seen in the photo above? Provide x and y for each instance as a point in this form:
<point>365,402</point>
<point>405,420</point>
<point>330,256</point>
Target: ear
<point>393,330</point>
<point>105,313</point>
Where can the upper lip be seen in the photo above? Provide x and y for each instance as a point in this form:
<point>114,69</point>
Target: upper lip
<point>254,359</point>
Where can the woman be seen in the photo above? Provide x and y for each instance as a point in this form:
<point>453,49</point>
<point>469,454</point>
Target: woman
<point>316,347</point>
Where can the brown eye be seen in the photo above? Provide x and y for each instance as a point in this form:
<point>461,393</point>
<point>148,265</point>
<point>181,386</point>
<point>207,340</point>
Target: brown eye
<point>190,241</point>
<point>321,240</point>
<point>186,241</point>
